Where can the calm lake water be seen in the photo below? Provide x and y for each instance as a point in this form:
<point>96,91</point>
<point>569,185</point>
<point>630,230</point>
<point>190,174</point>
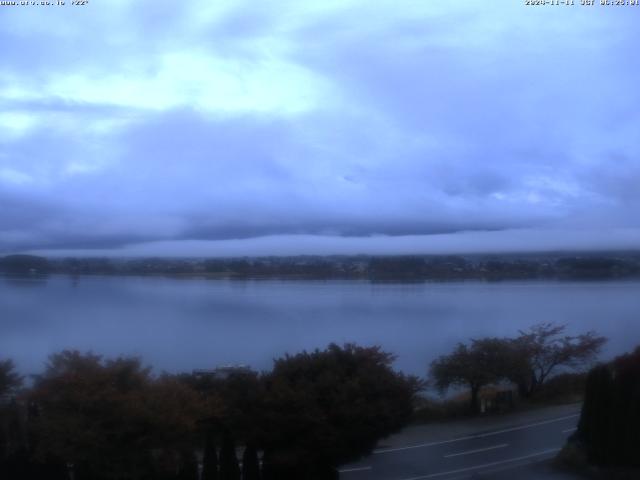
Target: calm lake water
<point>178,325</point>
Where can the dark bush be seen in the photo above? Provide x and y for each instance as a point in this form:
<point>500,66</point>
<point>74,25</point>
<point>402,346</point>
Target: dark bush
<point>609,428</point>
<point>229,468</point>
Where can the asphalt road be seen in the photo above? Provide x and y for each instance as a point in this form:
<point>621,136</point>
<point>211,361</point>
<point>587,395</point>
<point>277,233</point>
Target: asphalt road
<point>486,450</point>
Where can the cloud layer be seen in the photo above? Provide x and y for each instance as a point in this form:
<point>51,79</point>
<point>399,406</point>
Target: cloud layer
<point>126,125</point>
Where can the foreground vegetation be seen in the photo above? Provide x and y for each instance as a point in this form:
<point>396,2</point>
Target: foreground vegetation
<point>607,441</point>
<point>113,419</point>
<point>527,361</point>
<point>105,419</point>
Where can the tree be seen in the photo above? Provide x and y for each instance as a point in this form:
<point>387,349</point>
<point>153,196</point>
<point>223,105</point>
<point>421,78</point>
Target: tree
<point>106,416</point>
<point>325,408</point>
<point>188,465</point>
<point>609,427</point>
<point>544,348</point>
<point>13,441</point>
<point>625,425</point>
<point>229,468</point>
<point>235,402</point>
<point>483,362</point>
<point>210,458</point>
<point>594,424</point>
<point>250,464</point>
<point>92,414</point>
<point>9,378</point>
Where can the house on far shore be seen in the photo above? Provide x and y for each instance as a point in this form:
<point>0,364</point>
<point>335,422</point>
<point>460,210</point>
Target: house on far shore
<point>222,372</point>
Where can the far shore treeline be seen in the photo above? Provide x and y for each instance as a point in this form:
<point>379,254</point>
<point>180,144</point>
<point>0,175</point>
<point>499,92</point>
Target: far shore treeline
<point>408,268</point>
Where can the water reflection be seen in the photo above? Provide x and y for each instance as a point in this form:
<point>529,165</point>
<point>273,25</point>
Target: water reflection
<point>36,280</point>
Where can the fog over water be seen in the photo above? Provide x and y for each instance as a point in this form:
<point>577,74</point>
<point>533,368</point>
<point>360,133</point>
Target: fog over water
<point>178,325</point>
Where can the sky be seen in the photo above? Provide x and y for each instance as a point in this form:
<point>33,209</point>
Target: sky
<point>235,127</point>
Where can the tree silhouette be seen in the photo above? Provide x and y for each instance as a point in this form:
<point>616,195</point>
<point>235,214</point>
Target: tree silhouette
<point>9,378</point>
<point>250,464</point>
<point>594,425</point>
<point>188,465</point>
<point>210,458</point>
<point>325,408</point>
<point>544,348</point>
<point>528,360</point>
<point>609,427</point>
<point>483,362</point>
<point>106,416</point>
<point>229,468</point>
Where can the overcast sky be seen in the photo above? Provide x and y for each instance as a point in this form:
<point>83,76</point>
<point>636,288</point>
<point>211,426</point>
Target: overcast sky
<point>332,126</point>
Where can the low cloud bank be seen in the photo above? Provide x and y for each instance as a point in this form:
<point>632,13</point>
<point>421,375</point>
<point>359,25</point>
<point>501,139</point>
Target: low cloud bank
<point>507,241</point>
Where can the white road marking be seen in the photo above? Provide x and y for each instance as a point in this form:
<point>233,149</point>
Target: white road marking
<point>358,469</point>
<point>570,430</point>
<point>485,465</point>
<point>469,452</point>
<point>472,437</point>
<point>504,468</point>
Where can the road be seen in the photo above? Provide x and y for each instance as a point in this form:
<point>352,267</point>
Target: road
<point>511,446</point>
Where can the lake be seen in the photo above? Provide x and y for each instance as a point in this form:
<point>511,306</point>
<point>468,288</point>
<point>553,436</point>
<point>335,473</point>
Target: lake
<point>182,324</point>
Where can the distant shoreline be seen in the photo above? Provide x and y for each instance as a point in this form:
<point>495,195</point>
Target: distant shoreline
<point>375,269</point>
